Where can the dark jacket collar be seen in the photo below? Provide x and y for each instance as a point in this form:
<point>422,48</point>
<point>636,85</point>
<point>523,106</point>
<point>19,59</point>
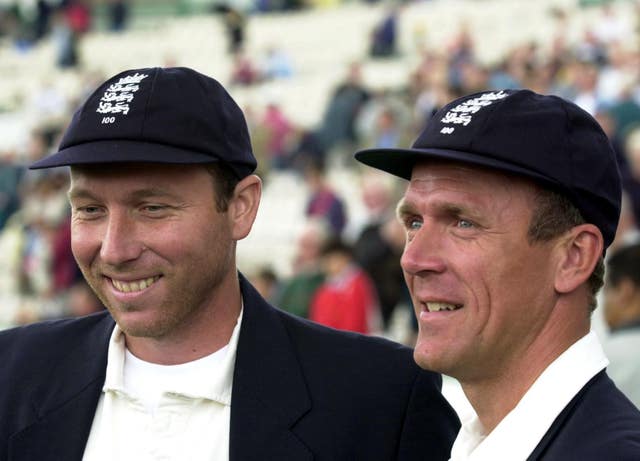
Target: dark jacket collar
<point>64,401</point>
<point>269,392</point>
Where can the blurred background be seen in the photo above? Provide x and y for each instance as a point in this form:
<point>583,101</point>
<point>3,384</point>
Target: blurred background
<point>317,79</point>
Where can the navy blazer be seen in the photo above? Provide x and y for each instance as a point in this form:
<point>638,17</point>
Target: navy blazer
<point>300,392</point>
<point>599,424</point>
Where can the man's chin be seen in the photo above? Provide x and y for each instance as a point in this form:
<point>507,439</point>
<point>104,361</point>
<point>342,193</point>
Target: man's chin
<point>137,324</point>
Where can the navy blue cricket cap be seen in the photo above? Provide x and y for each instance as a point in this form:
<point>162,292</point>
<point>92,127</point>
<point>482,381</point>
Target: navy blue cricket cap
<point>158,115</point>
<point>545,138</point>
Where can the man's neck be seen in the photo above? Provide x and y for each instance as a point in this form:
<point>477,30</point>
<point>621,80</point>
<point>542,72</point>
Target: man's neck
<point>182,349</point>
<point>496,395</point>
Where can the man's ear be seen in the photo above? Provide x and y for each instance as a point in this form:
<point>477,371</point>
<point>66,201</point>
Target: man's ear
<point>243,206</point>
<point>580,248</point>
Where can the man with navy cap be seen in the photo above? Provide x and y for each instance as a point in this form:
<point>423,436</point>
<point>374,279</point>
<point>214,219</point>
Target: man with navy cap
<point>189,362</point>
<point>512,199</point>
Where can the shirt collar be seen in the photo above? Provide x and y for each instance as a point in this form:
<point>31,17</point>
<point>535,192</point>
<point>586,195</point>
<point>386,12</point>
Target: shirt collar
<point>217,387</point>
<point>517,435</point>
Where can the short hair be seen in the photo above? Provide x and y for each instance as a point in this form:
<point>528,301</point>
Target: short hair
<point>336,245</point>
<point>553,215</point>
<point>624,264</point>
<point>224,184</point>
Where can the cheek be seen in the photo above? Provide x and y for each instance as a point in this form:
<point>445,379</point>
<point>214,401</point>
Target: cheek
<point>198,240</point>
<point>84,245</point>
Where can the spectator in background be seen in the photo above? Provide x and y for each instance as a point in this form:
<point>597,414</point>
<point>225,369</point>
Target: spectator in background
<point>622,314</point>
<point>266,282</point>
<point>118,14</point>
<point>276,64</point>
<point>585,86</point>
<point>376,250</point>
<point>338,122</point>
<point>626,111</point>
<point>513,71</point>
<point>429,89</point>
<point>629,162</point>
<point>347,300</point>
<point>384,120</point>
<point>297,291</point>
<point>388,132</point>
<point>278,132</point>
<point>78,14</point>
<point>323,201</point>
<point>10,177</point>
<point>244,72</point>
<point>383,42</point>
<point>628,230</point>
<point>235,23</point>
<point>66,41</point>
<point>48,267</point>
<point>307,147</point>
<point>590,49</point>
<point>48,105</point>
<point>44,10</point>
<point>610,27</point>
<point>460,52</point>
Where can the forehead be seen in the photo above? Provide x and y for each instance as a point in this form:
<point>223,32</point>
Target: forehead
<point>467,183</point>
<point>143,172</point>
<point>122,177</point>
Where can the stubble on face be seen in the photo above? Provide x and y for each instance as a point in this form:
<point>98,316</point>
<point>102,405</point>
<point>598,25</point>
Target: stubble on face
<point>190,249</point>
<point>471,250</point>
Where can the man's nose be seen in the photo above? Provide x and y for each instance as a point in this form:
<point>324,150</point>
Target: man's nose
<point>423,252</point>
<point>121,242</point>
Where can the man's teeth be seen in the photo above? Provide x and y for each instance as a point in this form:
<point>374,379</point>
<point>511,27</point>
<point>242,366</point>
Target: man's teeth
<point>436,307</point>
<point>137,285</point>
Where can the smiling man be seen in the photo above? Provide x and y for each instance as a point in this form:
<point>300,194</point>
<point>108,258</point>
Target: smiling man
<point>512,199</point>
<point>189,362</point>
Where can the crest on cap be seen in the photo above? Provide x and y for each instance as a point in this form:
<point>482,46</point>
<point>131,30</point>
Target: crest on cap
<point>117,96</point>
<point>462,114</point>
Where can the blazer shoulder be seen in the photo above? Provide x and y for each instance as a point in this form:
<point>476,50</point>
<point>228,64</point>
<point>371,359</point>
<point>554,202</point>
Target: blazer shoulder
<point>599,423</point>
<point>41,342</point>
<point>47,329</point>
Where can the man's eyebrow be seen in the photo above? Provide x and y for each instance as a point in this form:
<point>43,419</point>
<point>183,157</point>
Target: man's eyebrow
<point>152,192</point>
<point>140,194</point>
<point>76,193</point>
<point>404,208</point>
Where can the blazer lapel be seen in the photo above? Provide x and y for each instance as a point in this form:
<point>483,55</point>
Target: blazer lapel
<point>558,424</point>
<point>269,393</point>
<point>63,408</point>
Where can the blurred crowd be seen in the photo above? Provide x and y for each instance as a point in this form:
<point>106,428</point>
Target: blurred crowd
<point>26,23</point>
<point>343,274</point>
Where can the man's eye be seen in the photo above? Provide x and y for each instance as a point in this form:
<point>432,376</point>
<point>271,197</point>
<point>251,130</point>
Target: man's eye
<point>87,212</point>
<point>154,208</point>
<point>87,209</point>
<point>465,224</point>
<point>414,224</point>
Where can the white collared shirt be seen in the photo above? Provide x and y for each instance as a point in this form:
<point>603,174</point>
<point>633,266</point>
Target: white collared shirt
<point>163,412</point>
<point>518,434</point>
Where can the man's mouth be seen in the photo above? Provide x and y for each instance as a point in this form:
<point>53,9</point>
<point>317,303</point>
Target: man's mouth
<point>134,285</point>
<point>437,306</point>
